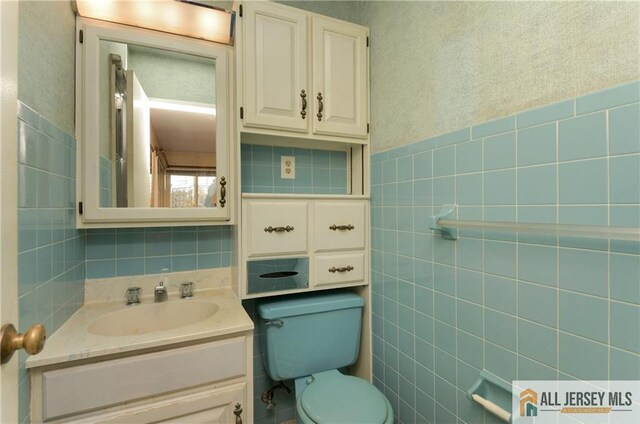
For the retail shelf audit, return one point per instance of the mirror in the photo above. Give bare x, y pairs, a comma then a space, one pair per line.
153, 125
157, 128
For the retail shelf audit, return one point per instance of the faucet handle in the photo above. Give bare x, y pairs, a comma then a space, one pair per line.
160, 287
133, 295
186, 290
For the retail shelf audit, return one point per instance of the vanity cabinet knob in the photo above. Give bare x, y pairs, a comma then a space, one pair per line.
271, 229
335, 227
347, 268
238, 413
32, 341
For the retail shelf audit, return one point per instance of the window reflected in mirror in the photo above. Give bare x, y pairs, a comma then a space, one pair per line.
157, 128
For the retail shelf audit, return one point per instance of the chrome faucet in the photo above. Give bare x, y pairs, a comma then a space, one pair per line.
186, 290
160, 293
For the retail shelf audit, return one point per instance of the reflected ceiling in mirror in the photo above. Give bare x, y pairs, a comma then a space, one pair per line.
157, 128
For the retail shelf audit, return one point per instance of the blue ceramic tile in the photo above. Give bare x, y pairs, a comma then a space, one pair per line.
126, 267
422, 165
445, 366
500, 329
584, 271
500, 294
405, 193
444, 161
501, 362
469, 157
584, 316
624, 130
545, 114
611, 97
624, 274
500, 258
625, 326
538, 303
537, 264
470, 318
389, 173
532, 370
590, 364
405, 168
469, 189
537, 145
624, 180
445, 308
446, 395
537, 185
538, 342
583, 137
445, 337
494, 127
157, 265
583, 182
624, 365
101, 268
470, 285
470, 350
443, 191
500, 187
454, 137
500, 151
469, 254
422, 192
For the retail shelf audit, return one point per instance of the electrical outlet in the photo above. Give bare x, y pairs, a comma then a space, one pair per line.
287, 167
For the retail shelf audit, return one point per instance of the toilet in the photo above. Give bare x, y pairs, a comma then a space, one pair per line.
309, 338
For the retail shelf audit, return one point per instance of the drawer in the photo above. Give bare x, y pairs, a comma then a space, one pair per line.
340, 226
86, 387
277, 228
338, 269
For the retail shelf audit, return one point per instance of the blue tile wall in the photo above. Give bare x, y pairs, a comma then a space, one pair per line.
317, 171
138, 251
522, 306
51, 269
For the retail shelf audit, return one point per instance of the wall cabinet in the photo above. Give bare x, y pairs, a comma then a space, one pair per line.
325, 241
303, 73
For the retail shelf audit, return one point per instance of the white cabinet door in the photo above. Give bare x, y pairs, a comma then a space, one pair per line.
275, 68
340, 80
211, 407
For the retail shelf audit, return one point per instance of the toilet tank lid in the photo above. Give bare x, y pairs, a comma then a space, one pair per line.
308, 304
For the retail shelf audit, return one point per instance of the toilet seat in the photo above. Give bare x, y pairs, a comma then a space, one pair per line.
332, 397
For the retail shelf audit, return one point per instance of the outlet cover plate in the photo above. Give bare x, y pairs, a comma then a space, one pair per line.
287, 167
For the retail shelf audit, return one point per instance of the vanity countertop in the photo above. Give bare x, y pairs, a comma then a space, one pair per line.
73, 341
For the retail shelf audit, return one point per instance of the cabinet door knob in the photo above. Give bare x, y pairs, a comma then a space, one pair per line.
271, 229
347, 227
223, 192
320, 106
347, 268
303, 112
32, 341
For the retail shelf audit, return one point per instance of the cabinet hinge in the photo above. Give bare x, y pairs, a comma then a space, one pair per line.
240, 11
80, 208
367, 41
367, 128
241, 113
81, 36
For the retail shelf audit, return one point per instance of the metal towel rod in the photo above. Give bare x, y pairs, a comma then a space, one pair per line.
446, 223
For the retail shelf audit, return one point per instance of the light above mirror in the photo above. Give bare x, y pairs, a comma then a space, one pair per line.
186, 18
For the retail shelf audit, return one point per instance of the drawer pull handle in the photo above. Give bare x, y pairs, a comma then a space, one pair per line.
320, 107
303, 112
271, 229
238, 413
275, 322
335, 227
341, 269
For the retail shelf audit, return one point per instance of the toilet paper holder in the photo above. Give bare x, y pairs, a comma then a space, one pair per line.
493, 394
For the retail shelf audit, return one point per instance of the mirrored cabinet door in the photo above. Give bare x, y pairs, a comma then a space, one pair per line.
153, 114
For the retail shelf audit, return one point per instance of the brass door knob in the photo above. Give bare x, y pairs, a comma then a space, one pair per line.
32, 341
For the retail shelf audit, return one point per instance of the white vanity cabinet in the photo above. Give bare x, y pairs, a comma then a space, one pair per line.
206, 382
329, 234
301, 72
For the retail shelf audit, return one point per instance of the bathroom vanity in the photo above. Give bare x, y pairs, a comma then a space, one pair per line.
190, 359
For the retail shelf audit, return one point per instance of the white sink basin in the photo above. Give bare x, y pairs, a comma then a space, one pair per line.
152, 317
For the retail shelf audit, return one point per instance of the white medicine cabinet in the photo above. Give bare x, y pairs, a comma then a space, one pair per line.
156, 146
302, 73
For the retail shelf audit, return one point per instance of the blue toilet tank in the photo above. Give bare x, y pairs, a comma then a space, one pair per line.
303, 335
